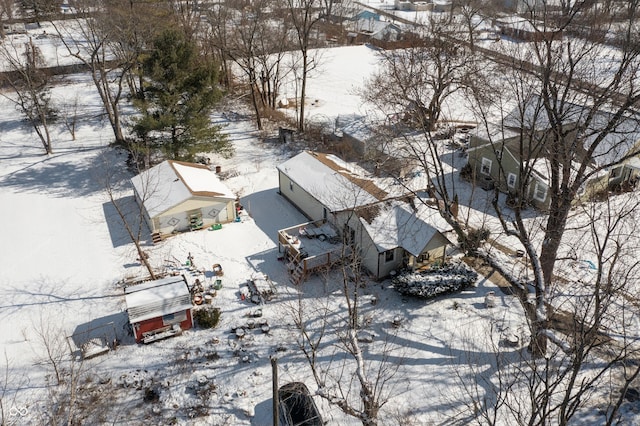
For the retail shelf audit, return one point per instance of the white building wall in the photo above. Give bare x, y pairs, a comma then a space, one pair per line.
311, 207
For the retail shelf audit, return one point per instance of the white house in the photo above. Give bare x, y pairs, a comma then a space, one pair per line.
322, 185
177, 196
387, 233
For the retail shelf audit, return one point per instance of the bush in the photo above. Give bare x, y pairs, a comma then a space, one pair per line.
207, 317
474, 240
466, 172
427, 284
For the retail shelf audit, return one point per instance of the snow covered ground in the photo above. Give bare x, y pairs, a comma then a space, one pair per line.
64, 253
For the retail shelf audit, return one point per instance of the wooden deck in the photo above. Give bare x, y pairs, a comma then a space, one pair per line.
309, 247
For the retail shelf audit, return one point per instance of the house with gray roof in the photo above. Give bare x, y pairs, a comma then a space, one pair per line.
387, 226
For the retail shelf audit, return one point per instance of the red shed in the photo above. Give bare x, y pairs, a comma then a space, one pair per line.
159, 309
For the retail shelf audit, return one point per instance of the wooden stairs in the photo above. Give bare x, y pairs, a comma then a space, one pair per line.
297, 274
156, 237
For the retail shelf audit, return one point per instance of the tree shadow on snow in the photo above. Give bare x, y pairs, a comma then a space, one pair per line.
63, 174
109, 330
473, 196
131, 211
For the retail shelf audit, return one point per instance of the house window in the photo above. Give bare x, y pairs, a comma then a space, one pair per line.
324, 213
511, 180
486, 166
540, 192
349, 235
389, 255
616, 173
175, 318
291, 186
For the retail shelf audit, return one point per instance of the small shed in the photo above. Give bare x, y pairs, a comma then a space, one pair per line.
159, 309
176, 196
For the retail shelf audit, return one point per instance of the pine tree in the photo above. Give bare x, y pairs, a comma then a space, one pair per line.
178, 95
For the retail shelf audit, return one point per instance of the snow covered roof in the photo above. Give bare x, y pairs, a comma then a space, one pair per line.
493, 133
361, 129
173, 182
400, 225
336, 184
622, 140
531, 114
523, 24
373, 26
157, 298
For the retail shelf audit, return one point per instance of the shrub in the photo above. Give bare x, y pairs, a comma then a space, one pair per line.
427, 284
207, 317
474, 240
466, 172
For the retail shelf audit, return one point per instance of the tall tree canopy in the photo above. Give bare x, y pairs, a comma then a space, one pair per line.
178, 95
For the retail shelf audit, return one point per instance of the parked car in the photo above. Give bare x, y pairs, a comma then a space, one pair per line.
297, 407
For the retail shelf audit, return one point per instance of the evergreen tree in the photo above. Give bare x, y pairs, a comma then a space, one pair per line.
178, 94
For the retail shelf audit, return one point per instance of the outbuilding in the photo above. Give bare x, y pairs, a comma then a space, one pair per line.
176, 196
159, 309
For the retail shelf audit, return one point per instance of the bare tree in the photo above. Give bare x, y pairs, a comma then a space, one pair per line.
133, 223
6, 14
414, 82
353, 379
410, 91
570, 120
39, 10
474, 15
359, 386
87, 40
596, 359
30, 85
69, 112
6, 400
565, 114
258, 47
578, 117
135, 25
304, 16
218, 39
52, 346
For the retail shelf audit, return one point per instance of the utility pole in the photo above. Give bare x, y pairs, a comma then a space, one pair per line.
274, 381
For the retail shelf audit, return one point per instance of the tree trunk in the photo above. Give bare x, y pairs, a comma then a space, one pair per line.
256, 107
303, 91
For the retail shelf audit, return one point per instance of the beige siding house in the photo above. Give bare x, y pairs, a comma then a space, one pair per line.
176, 196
